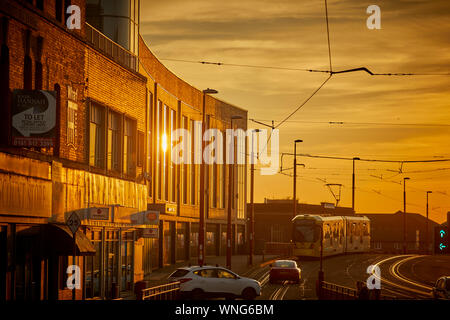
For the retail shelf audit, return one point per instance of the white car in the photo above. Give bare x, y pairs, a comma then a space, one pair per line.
208, 281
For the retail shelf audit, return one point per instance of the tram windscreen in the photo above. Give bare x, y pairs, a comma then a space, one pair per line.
304, 231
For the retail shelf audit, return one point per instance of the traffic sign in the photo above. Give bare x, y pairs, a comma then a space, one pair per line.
441, 240
73, 222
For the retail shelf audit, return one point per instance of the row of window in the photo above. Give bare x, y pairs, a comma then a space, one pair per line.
59, 7
113, 141
165, 175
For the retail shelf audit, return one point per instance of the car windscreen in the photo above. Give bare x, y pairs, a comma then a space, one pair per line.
179, 273
285, 264
305, 231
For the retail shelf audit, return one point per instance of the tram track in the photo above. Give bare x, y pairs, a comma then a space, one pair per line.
399, 284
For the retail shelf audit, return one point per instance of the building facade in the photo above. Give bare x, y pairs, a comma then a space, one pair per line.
88, 115
387, 233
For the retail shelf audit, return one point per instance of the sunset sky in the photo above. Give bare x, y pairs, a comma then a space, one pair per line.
394, 118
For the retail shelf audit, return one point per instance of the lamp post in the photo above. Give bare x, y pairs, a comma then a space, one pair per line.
426, 231
294, 196
230, 197
201, 229
404, 214
294, 213
353, 184
252, 204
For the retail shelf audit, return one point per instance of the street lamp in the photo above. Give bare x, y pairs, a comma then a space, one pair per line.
252, 204
353, 184
426, 231
404, 214
294, 213
201, 230
230, 198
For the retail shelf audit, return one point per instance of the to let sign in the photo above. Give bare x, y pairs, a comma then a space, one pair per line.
33, 118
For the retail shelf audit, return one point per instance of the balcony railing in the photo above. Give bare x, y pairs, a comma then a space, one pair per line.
116, 52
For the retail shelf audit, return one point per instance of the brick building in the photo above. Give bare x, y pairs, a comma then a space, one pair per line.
387, 232
103, 109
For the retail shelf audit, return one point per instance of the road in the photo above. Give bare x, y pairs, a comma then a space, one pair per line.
402, 276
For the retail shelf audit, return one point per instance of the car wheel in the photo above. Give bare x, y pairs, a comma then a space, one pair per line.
249, 294
197, 294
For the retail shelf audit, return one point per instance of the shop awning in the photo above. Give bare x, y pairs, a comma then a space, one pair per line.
59, 241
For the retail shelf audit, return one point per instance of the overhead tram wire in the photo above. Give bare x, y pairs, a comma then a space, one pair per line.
366, 123
303, 69
369, 160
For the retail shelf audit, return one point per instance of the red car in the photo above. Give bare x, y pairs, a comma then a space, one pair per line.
282, 270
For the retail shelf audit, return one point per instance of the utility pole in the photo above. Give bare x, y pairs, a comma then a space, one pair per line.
252, 204
404, 214
353, 184
230, 196
294, 197
201, 229
426, 231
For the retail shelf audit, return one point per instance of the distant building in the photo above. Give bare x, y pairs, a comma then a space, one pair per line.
387, 232
273, 218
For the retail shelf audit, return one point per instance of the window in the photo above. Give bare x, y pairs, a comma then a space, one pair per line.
72, 108
192, 165
40, 4
169, 156
27, 64
206, 273
97, 136
179, 273
158, 170
225, 274
184, 165
141, 149
58, 10
129, 147
93, 265
67, 3
114, 128
38, 66
150, 142
167, 162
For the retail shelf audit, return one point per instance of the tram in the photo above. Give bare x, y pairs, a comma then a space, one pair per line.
340, 234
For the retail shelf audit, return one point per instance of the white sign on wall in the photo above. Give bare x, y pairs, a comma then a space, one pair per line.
33, 118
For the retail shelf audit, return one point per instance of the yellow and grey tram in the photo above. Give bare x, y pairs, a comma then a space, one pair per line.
341, 234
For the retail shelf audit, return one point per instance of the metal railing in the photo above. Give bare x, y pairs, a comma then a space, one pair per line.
331, 291
116, 52
168, 291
